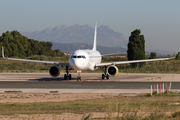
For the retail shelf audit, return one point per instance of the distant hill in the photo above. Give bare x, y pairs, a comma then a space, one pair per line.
76, 46
161, 52
80, 34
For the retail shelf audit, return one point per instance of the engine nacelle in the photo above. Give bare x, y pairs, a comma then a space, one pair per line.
112, 70
54, 71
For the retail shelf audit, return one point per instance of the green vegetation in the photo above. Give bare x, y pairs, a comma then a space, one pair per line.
168, 66
16, 45
171, 66
153, 55
178, 56
18, 66
113, 59
136, 47
140, 107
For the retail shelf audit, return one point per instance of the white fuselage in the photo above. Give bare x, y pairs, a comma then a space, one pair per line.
84, 59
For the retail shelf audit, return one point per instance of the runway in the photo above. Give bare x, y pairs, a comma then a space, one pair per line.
82, 85
91, 77
91, 82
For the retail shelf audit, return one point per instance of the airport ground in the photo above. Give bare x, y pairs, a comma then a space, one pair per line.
91, 77
22, 90
90, 83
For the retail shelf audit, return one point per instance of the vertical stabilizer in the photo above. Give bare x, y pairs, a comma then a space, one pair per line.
3, 52
95, 37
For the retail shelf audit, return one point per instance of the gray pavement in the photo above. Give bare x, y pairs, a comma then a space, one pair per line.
91, 83
81, 85
92, 77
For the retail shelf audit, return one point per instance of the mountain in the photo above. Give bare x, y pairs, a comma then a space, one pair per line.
79, 34
81, 37
76, 46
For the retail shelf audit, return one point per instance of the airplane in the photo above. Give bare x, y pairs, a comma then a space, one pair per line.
82, 60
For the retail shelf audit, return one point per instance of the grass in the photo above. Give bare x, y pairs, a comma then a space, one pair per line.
171, 66
139, 107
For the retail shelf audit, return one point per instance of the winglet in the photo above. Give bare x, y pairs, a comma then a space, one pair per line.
3, 52
95, 36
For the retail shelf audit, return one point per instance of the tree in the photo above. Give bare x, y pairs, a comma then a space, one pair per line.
136, 47
14, 50
153, 55
177, 56
29, 53
59, 53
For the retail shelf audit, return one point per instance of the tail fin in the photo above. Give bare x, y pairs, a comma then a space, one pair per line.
3, 52
95, 37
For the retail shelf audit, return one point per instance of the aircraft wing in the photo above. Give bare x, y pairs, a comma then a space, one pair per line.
131, 61
37, 61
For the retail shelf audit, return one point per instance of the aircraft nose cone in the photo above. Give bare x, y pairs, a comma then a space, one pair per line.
77, 64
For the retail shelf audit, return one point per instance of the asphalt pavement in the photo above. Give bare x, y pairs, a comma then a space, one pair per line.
91, 82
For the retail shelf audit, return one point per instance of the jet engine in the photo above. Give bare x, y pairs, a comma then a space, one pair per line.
112, 70
54, 71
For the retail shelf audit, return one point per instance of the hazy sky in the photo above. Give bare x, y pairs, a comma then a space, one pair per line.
159, 20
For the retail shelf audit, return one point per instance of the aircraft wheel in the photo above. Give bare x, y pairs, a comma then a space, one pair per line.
70, 76
79, 78
107, 76
103, 76
65, 77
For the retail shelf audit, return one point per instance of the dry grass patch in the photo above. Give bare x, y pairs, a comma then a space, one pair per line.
105, 105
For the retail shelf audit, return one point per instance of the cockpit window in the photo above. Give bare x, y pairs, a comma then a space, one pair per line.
79, 56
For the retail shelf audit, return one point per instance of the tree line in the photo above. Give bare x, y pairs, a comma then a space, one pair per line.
17, 45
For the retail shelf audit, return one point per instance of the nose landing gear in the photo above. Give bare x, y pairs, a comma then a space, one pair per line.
79, 76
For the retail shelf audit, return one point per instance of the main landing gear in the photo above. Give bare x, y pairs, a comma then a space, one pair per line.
79, 76
67, 75
105, 75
